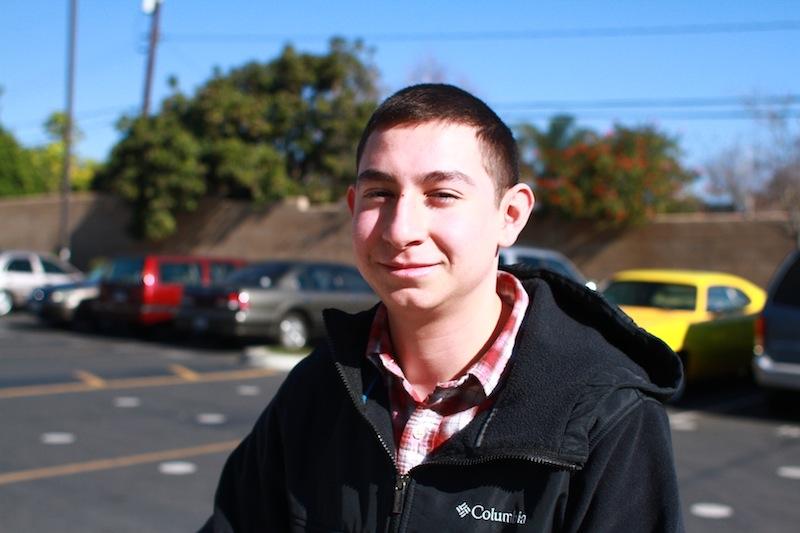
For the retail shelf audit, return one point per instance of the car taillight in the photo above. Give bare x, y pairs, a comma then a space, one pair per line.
239, 301
758, 335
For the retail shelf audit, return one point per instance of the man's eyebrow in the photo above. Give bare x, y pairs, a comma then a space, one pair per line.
447, 175
374, 175
431, 177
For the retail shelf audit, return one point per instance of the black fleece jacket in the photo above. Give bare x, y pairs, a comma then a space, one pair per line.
576, 440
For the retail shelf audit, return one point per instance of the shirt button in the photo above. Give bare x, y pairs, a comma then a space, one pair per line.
418, 432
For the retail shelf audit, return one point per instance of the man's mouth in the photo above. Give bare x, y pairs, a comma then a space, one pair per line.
410, 269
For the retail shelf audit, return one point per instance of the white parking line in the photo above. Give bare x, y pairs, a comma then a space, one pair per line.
177, 468
57, 438
211, 419
789, 472
714, 511
790, 432
127, 402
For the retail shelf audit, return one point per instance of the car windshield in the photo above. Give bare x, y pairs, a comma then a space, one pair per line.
263, 275
126, 270
652, 294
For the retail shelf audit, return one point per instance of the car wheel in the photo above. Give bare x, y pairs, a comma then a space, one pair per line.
6, 303
293, 331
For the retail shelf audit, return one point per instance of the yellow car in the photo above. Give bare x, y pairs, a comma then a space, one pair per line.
706, 317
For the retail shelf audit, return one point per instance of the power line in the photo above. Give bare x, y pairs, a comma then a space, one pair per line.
654, 117
508, 35
679, 102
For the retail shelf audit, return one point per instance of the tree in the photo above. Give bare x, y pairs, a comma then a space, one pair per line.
17, 173
155, 167
263, 131
38, 170
620, 178
735, 172
764, 173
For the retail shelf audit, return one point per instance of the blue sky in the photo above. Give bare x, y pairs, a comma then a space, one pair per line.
520, 68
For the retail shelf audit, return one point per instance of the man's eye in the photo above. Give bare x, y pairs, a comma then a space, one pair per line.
443, 196
377, 193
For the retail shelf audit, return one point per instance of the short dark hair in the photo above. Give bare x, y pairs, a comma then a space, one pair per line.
438, 102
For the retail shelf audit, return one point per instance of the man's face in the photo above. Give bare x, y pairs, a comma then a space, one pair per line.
426, 223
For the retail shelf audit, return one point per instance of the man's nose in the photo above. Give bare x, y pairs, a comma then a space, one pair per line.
405, 222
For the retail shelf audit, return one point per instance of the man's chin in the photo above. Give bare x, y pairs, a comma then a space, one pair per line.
410, 300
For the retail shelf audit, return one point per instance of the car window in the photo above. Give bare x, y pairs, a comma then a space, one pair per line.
261, 275
652, 294
316, 278
220, 271
723, 299
186, 273
349, 280
126, 270
788, 290
52, 268
19, 265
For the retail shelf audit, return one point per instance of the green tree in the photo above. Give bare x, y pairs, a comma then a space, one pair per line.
17, 173
263, 131
302, 113
620, 178
39, 169
156, 167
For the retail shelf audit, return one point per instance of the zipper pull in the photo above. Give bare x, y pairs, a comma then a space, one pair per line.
400, 494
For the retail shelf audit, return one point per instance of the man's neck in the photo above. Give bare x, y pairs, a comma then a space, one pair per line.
439, 345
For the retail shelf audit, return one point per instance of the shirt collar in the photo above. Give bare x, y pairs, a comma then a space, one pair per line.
487, 370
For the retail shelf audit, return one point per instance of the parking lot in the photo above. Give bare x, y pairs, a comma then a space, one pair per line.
119, 433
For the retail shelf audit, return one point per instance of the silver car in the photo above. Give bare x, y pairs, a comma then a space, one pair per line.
22, 271
776, 365
63, 303
278, 299
544, 258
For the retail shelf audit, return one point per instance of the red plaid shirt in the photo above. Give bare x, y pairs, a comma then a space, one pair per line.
422, 424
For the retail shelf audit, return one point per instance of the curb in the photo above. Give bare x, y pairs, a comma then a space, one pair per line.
264, 357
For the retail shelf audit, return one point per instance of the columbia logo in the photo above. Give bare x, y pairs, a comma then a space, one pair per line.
479, 512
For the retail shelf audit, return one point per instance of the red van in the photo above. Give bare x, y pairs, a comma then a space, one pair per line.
148, 289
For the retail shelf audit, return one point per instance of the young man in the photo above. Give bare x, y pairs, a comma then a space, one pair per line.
471, 398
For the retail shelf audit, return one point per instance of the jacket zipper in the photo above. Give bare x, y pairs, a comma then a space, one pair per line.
539, 459
400, 494
401, 484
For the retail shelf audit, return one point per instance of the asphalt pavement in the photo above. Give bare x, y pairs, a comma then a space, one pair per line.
128, 434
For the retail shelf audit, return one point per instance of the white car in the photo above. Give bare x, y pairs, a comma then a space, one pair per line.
22, 271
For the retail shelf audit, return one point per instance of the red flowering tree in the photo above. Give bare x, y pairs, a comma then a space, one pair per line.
622, 178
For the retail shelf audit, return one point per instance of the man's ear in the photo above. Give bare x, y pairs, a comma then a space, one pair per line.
516, 207
351, 199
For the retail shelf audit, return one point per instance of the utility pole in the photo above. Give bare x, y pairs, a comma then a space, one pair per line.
63, 239
152, 7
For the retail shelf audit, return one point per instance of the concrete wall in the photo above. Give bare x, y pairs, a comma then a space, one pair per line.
751, 247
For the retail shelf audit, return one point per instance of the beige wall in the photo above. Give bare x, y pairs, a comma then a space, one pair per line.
751, 247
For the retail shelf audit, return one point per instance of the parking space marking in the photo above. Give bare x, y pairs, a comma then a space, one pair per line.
92, 380
714, 511
117, 462
185, 373
133, 383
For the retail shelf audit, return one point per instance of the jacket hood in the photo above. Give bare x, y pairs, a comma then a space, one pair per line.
573, 351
